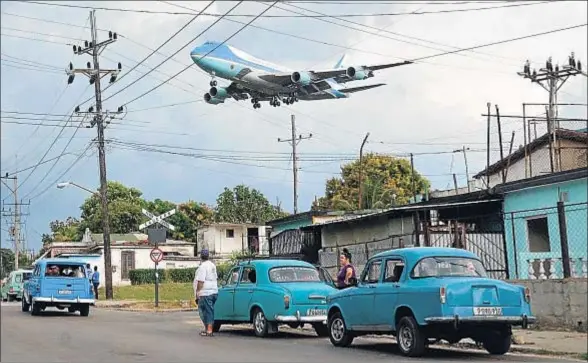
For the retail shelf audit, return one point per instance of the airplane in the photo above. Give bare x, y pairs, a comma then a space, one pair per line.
261, 81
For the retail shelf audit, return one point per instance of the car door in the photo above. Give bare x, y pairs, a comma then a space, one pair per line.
244, 292
362, 312
386, 300
34, 283
225, 304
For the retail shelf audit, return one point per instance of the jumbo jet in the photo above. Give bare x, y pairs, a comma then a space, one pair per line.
259, 80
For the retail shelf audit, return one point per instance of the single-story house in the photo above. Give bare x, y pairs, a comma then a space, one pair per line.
224, 239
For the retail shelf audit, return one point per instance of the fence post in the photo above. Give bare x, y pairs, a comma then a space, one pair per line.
417, 229
563, 239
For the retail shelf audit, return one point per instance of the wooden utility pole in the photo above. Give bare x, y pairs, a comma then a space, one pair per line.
500, 142
14, 211
294, 141
361, 170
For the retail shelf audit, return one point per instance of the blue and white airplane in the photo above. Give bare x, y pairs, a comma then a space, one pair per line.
260, 80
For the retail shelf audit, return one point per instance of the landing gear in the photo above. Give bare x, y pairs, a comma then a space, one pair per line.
255, 103
213, 83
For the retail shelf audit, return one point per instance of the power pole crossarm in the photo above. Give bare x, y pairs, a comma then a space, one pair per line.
294, 141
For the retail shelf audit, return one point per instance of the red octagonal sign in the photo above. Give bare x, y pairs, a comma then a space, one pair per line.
156, 255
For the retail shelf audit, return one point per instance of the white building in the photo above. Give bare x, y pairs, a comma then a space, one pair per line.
223, 239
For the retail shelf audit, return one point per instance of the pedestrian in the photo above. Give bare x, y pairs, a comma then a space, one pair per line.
206, 292
347, 270
89, 272
96, 281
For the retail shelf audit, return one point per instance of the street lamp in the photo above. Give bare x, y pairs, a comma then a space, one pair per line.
68, 183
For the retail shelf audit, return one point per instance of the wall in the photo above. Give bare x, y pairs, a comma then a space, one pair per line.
534, 199
558, 303
215, 238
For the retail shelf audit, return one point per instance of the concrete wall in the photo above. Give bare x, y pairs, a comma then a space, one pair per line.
558, 303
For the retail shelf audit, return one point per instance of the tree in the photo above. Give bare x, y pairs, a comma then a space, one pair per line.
188, 217
7, 265
245, 205
124, 210
386, 182
65, 231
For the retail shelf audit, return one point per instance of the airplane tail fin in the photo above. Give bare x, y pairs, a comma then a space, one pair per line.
340, 63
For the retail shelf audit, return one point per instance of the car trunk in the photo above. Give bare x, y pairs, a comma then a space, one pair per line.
308, 293
64, 288
483, 293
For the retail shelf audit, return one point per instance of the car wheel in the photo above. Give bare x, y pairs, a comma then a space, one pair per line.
260, 323
71, 309
411, 340
24, 306
85, 310
338, 333
498, 343
321, 330
35, 309
216, 326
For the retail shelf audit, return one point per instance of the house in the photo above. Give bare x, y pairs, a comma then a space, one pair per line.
223, 239
546, 154
128, 252
532, 224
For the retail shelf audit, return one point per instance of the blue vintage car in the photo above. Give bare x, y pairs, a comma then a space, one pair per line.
60, 283
423, 295
271, 292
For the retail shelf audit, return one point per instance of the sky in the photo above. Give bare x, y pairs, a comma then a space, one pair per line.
429, 108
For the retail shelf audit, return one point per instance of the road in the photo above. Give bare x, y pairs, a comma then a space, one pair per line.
119, 336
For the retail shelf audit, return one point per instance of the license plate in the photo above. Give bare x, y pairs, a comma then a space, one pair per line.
316, 312
487, 311
64, 292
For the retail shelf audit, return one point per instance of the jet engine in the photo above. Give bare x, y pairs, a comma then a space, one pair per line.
301, 78
212, 100
357, 74
219, 93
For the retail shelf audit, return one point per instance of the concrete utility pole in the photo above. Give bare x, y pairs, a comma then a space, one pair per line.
294, 141
361, 170
15, 230
552, 78
96, 74
465, 159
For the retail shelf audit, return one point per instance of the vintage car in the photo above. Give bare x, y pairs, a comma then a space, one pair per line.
60, 283
270, 292
12, 288
426, 294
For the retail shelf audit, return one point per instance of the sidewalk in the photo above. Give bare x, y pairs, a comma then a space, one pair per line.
144, 306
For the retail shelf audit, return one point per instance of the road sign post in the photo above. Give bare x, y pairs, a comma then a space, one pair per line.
156, 236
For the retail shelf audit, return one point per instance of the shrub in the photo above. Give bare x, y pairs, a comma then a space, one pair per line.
181, 274
146, 276
177, 275
222, 269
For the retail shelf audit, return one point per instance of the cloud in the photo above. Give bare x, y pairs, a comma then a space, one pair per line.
433, 106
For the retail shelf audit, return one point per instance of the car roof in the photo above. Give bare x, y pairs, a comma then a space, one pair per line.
416, 253
270, 263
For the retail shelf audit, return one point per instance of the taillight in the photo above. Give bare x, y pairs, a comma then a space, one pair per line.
527, 295
286, 302
442, 295
11, 289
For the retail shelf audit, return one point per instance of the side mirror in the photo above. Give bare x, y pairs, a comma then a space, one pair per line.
352, 281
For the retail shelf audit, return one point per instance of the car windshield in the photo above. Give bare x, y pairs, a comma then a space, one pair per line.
294, 274
449, 267
65, 270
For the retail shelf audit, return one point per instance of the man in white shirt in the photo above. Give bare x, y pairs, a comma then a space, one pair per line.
206, 292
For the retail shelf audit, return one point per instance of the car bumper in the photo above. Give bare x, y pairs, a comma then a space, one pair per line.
514, 320
63, 301
297, 318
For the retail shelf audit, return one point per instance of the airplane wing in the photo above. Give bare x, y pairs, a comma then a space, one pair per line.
361, 88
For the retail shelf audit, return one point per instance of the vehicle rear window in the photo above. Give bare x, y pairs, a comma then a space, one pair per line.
294, 274
17, 278
448, 267
65, 270
26, 276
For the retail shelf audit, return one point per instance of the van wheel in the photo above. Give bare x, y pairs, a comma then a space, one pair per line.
85, 310
24, 306
338, 333
71, 309
260, 323
35, 309
498, 343
410, 338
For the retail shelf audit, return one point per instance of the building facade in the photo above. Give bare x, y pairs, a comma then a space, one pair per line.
224, 239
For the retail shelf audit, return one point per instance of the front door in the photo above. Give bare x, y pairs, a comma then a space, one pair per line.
386, 300
244, 293
224, 307
362, 313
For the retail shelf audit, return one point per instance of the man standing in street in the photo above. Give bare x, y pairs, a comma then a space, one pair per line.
96, 281
206, 292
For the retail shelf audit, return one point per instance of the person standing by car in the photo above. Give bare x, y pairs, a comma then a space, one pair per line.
347, 270
206, 292
96, 281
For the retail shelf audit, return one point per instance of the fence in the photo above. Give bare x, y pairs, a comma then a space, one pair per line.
295, 242
548, 243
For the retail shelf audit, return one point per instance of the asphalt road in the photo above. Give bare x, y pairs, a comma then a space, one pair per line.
117, 336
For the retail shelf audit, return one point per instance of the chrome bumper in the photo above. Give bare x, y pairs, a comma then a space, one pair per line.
483, 319
63, 301
301, 319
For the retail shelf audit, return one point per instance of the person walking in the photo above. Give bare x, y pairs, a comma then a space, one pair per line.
89, 272
96, 281
206, 292
347, 270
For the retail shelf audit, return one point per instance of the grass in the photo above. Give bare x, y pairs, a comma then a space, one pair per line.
168, 292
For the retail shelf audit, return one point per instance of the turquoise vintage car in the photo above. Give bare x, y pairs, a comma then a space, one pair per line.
12, 289
425, 294
271, 292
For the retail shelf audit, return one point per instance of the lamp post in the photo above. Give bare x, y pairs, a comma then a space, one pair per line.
68, 183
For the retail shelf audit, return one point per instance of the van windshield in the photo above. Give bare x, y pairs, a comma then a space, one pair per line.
65, 270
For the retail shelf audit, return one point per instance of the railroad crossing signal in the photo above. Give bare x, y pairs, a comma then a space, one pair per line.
158, 219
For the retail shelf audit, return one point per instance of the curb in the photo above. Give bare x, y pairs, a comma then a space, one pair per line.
138, 310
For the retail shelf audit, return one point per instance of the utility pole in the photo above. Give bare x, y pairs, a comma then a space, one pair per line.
15, 230
465, 159
361, 170
294, 141
95, 48
552, 78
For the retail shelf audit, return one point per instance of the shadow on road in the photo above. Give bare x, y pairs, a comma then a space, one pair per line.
54, 314
237, 332
448, 354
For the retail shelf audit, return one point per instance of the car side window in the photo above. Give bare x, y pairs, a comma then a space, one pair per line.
248, 276
233, 277
394, 269
372, 272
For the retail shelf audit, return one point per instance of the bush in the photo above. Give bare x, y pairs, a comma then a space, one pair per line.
181, 274
222, 269
177, 275
146, 276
